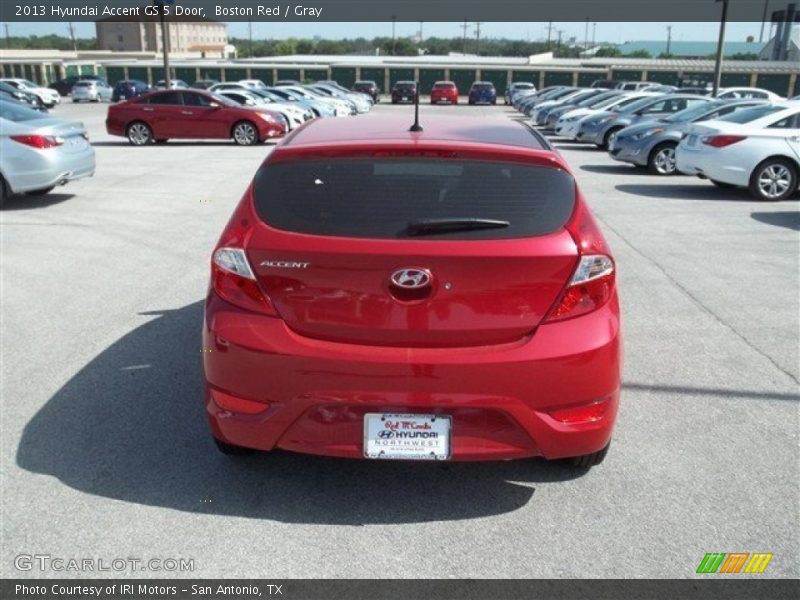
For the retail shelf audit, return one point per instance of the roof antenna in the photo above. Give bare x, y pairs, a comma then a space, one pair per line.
416, 126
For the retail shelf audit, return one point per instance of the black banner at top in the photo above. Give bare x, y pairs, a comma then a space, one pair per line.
388, 10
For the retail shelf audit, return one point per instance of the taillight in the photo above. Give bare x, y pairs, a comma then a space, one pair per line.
233, 280
592, 283
589, 289
720, 141
39, 141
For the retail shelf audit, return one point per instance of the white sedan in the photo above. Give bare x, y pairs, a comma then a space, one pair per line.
738, 93
48, 96
757, 148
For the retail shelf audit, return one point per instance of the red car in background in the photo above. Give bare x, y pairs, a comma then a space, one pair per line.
442, 294
444, 92
191, 114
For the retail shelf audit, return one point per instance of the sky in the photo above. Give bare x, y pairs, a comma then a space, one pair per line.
610, 32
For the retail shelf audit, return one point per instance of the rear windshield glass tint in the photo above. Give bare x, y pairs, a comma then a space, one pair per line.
751, 114
378, 198
483, 86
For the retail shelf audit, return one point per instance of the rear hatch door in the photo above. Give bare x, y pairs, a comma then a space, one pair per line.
412, 251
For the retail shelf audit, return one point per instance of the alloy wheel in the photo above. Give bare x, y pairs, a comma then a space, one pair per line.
244, 134
774, 181
664, 161
139, 134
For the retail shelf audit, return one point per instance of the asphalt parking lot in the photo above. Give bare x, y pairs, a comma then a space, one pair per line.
106, 453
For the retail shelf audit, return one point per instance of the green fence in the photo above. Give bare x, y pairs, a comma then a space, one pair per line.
778, 83
312, 75
557, 78
463, 78
235, 74
736, 80
115, 74
138, 73
264, 75
396, 75
664, 77
345, 76
212, 73
586, 79
498, 78
374, 74
289, 74
427, 77
187, 74
623, 75
525, 77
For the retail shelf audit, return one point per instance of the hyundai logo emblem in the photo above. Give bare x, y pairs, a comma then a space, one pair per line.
385, 434
411, 279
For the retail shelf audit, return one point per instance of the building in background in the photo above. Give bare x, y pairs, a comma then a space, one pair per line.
784, 46
207, 37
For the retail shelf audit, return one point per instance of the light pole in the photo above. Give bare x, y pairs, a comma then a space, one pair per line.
586, 35
720, 49
161, 4
394, 22
669, 39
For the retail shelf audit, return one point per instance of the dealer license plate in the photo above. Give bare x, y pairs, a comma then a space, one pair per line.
409, 437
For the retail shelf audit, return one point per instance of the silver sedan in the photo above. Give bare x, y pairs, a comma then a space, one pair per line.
38, 152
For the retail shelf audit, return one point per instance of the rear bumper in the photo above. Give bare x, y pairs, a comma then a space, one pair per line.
712, 164
37, 170
315, 393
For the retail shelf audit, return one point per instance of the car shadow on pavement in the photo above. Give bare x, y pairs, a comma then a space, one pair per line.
26, 202
616, 170
686, 191
788, 219
130, 425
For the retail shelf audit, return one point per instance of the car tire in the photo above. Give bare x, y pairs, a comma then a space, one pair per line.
774, 179
41, 192
75, 100
722, 185
4, 191
139, 133
662, 159
231, 449
607, 137
590, 460
244, 133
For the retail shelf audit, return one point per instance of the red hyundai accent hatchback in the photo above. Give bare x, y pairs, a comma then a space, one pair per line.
191, 114
444, 92
443, 294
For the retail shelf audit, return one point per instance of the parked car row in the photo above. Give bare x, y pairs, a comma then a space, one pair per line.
48, 97
743, 137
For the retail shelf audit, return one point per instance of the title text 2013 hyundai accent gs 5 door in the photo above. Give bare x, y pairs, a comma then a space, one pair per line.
443, 295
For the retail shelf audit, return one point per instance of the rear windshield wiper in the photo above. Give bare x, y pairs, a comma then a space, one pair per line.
423, 226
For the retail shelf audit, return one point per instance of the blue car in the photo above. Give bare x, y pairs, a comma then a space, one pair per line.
482, 92
128, 88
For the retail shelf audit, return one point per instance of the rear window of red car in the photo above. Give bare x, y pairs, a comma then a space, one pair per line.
444, 86
380, 197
